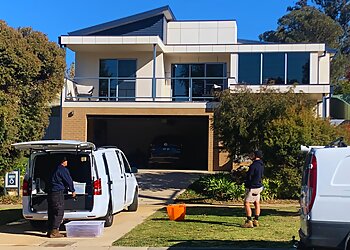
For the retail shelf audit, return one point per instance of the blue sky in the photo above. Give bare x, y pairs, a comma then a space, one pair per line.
55, 18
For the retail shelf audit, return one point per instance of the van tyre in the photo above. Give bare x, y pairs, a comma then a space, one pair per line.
109, 217
135, 202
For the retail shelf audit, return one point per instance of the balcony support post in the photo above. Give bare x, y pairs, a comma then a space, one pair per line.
154, 85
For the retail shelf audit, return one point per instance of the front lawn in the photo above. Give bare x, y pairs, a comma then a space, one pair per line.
216, 226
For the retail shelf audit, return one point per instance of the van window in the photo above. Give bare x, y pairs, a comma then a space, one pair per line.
126, 164
305, 176
120, 162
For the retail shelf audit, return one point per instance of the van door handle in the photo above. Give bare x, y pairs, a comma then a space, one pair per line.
122, 177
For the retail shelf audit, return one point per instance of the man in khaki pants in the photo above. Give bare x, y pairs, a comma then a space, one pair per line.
253, 187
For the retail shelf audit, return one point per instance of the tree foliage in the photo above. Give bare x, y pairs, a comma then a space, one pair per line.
307, 25
277, 123
31, 75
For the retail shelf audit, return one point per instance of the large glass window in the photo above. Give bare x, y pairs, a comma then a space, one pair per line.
273, 68
298, 68
202, 77
249, 68
118, 79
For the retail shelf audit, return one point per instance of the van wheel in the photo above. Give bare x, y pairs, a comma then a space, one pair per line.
135, 202
109, 217
38, 224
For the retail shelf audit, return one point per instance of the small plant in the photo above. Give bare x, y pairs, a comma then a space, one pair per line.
271, 188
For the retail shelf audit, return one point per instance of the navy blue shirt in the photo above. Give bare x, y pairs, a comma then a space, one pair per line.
255, 174
61, 180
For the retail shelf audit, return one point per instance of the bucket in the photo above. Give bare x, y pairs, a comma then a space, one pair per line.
176, 212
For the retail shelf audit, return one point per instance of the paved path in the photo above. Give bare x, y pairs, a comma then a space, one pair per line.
157, 188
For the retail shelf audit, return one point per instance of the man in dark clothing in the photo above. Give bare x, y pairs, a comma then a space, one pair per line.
253, 187
60, 182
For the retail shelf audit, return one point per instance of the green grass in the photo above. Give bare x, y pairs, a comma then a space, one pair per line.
215, 226
8, 214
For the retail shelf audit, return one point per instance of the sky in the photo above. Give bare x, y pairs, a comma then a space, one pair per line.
55, 18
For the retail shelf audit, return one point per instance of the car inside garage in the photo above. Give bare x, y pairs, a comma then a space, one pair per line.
166, 142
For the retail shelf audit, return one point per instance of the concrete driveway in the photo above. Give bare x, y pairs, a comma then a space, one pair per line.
157, 188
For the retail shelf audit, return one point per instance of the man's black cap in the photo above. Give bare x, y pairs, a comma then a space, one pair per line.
64, 159
258, 154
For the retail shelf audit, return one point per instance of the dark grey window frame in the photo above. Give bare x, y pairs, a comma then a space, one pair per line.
285, 66
117, 89
224, 71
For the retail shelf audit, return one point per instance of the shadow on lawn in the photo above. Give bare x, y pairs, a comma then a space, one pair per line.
231, 244
235, 211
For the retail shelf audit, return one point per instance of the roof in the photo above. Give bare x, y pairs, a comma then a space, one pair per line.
165, 10
246, 41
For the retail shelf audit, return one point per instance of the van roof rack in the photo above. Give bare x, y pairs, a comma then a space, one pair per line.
339, 142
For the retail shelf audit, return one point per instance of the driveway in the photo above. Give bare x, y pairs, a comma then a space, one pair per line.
157, 188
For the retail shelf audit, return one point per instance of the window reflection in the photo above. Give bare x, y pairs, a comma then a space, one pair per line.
298, 68
123, 83
183, 75
249, 68
273, 68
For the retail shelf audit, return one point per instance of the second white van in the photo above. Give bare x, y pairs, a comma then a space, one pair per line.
325, 198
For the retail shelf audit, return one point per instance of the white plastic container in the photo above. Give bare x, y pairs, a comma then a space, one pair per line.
85, 228
79, 187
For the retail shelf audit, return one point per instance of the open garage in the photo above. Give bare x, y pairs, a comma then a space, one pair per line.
138, 136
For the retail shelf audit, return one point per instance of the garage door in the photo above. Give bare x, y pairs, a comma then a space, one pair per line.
167, 142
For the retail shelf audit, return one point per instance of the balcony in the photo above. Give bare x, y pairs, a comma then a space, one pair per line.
143, 89
172, 89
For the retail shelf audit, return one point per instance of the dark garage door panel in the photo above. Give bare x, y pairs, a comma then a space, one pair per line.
134, 135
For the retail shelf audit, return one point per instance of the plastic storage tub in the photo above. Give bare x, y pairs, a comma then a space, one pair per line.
85, 228
176, 212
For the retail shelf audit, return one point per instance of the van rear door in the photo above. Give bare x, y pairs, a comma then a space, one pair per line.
117, 179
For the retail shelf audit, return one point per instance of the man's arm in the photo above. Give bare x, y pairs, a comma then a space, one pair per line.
67, 179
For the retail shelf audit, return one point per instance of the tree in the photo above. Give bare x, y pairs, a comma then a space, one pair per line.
278, 123
305, 25
31, 75
241, 118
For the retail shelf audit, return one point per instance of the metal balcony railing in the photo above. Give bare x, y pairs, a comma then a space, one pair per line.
130, 89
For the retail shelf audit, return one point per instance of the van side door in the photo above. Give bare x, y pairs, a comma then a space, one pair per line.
117, 179
130, 179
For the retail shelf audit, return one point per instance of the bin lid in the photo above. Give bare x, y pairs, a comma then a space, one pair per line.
54, 145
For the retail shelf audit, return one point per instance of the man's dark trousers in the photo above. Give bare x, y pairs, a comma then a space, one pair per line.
55, 209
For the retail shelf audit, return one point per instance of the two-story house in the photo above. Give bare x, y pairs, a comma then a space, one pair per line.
150, 76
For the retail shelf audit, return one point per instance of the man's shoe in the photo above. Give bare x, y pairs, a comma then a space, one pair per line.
255, 223
248, 224
55, 234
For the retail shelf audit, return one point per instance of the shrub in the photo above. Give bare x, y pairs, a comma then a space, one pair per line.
222, 187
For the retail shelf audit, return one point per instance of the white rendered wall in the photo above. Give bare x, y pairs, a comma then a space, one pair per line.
324, 69
202, 32
313, 68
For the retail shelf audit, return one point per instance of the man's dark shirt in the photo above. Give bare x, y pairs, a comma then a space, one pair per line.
61, 180
255, 174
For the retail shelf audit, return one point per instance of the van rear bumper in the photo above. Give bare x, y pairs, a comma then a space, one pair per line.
77, 215
326, 234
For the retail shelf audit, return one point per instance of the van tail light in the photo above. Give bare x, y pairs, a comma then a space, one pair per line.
97, 187
25, 188
312, 181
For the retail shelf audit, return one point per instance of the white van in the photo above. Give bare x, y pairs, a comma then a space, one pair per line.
325, 198
104, 182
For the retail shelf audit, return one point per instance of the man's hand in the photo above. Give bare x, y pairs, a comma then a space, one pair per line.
74, 195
